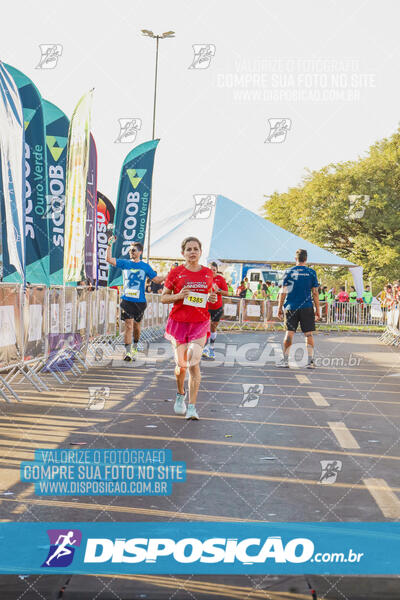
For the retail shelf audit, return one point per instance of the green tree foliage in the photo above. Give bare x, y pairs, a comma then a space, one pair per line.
350, 208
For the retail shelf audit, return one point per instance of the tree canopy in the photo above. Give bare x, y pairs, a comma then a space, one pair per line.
350, 208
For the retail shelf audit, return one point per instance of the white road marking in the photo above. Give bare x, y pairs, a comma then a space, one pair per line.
387, 500
318, 399
343, 435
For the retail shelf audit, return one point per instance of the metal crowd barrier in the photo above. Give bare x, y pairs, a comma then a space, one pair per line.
153, 323
253, 314
345, 313
231, 316
249, 313
61, 331
391, 335
155, 318
246, 313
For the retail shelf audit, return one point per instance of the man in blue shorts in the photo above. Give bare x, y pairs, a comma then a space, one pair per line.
133, 299
299, 290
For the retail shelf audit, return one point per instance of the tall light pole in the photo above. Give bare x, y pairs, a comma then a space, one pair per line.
166, 34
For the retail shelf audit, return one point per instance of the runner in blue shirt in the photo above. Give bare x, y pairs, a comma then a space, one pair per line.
300, 289
133, 299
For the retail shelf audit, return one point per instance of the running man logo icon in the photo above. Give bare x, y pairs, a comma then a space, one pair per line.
203, 54
128, 129
62, 547
251, 394
50, 53
97, 397
358, 204
330, 470
54, 206
278, 129
203, 205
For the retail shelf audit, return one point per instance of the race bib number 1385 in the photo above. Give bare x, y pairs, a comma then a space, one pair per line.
196, 299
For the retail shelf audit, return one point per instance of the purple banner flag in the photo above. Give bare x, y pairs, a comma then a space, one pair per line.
91, 215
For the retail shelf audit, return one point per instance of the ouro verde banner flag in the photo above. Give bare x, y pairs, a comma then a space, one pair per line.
12, 179
57, 125
36, 231
75, 196
134, 194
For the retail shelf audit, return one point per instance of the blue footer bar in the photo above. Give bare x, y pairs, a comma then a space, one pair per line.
200, 548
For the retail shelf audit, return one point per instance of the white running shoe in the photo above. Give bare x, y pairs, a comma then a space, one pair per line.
311, 364
205, 353
283, 363
191, 413
180, 406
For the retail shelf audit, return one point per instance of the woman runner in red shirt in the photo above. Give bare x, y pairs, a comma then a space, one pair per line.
188, 286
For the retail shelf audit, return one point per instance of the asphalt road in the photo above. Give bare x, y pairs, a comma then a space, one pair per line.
255, 454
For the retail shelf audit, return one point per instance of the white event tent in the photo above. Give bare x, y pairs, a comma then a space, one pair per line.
231, 233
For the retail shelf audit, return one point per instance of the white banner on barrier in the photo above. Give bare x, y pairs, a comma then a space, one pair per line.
253, 310
35, 322
68, 317
7, 326
102, 312
93, 312
82, 315
376, 310
275, 311
54, 318
112, 310
230, 310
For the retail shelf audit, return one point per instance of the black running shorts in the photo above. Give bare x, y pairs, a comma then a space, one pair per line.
216, 314
304, 316
132, 310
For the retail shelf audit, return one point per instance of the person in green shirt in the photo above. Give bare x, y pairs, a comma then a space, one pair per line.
259, 294
353, 295
367, 295
249, 293
322, 293
273, 292
330, 296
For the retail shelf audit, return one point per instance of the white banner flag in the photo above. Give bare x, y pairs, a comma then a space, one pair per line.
12, 173
75, 194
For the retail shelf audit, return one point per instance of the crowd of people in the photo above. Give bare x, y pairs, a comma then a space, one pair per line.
265, 291
270, 290
390, 295
342, 295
